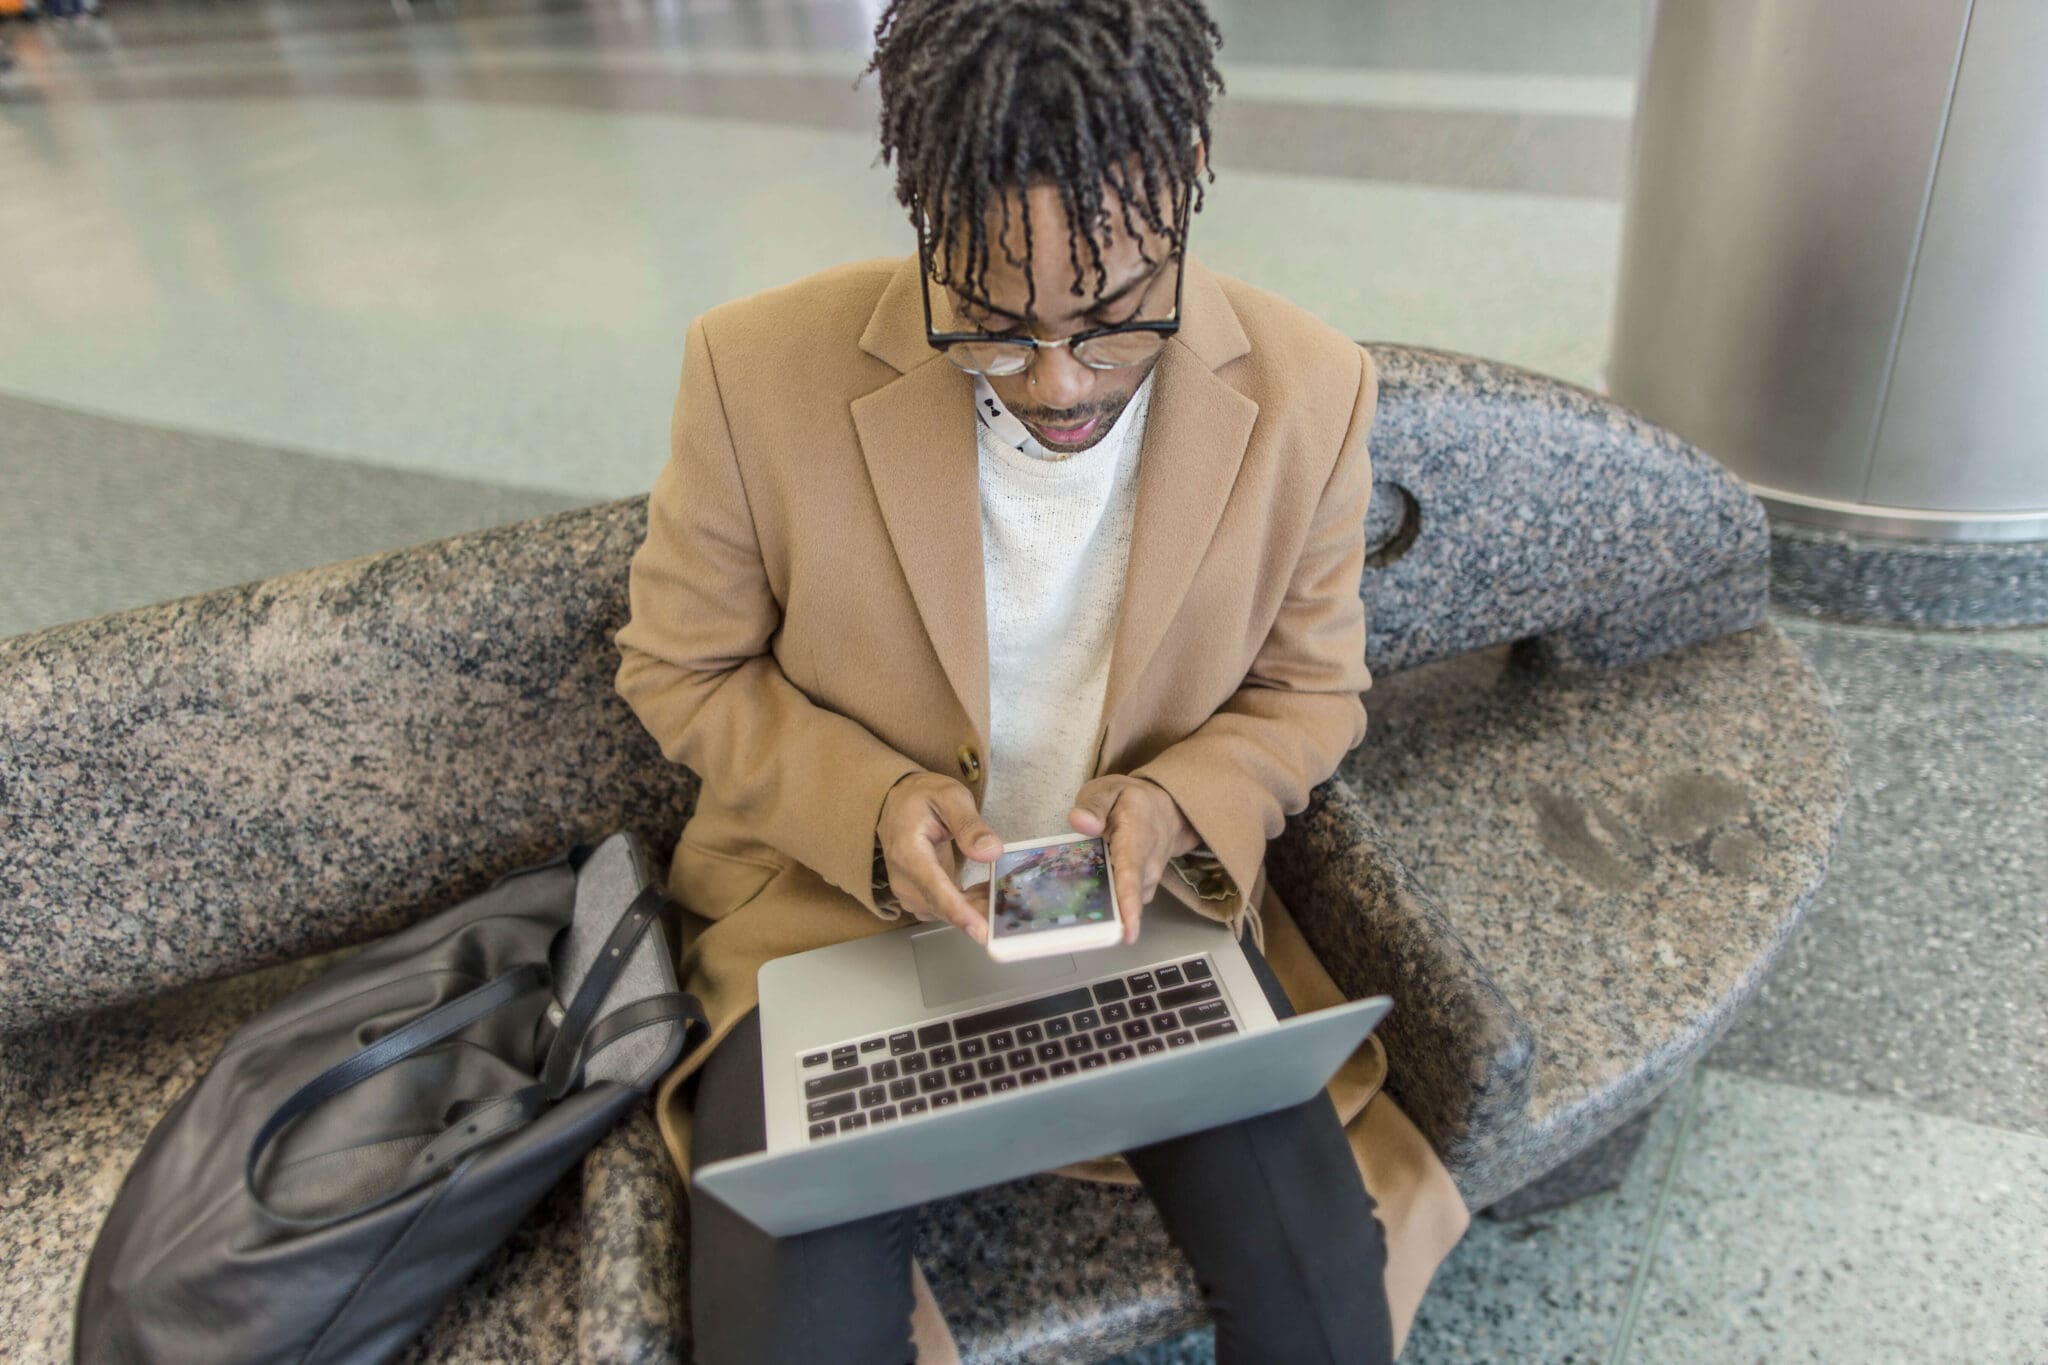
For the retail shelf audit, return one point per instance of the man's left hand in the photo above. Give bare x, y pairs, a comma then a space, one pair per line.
1143, 826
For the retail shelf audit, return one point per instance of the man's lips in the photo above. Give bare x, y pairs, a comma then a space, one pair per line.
1068, 435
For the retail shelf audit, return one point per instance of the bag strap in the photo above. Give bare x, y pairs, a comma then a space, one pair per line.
496, 1118
574, 856
422, 1033
560, 1070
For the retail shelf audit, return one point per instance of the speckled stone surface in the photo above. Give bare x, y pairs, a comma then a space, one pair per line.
1909, 582
1602, 1166
634, 1250
247, 776
1608, 859
1627, 853
1541, 508
1460, 1059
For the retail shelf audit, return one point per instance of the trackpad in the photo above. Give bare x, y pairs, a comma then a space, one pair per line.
952, 966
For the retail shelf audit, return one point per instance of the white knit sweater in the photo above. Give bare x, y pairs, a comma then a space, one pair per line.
1055, 538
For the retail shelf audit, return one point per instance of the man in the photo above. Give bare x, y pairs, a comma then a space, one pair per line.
1043, 528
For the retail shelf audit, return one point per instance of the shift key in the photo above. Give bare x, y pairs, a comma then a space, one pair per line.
1189, 994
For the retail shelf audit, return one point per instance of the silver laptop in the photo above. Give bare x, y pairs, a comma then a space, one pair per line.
908, 1066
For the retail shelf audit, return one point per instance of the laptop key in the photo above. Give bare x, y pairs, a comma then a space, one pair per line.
1019, 1059
1087, 1019
945, 1055
960, 1073
832, 1108
1091, 1060
972, 1048
900, 1043
1145, 1004
1108, 991
1002, 1083
873, 1096
1181, 1039
1137, 1029
1033, 1076
903, 1089
1216, 1030
1168, 976
853, 1121
1050, 1052
1031, 1033
1141, 983
873, 1044
916, 1106
914, 1063
1197, 969
825, 1129
814, 1059
1079, 1044
1024, 1012
1203, 1013
840, 1063
882, 1115
990, 1066
1058, 1028
973, 1092
1115, 1014
843, 1050
1002, 1042
931, 1035
1108, 1037
1188, 995
931, 1080
1122, 1054
1165, 1022
1150, 1046
944, 1098
884, 1070
817, 1087
1064, 1068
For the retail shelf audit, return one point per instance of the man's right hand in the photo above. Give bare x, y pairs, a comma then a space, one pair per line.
924, 817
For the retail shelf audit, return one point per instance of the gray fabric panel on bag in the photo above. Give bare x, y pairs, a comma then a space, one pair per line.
610, 878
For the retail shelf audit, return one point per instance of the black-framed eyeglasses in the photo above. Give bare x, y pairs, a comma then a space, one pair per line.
1105, 348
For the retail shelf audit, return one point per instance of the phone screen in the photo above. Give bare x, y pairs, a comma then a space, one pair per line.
1055, 887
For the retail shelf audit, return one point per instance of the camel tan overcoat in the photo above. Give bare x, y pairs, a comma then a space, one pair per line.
808, 625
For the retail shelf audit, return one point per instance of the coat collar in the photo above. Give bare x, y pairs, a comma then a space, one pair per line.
917, 435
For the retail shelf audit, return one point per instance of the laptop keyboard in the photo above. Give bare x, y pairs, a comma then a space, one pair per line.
967, 1057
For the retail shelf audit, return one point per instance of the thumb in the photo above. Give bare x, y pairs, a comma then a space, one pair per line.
972, 833
1090, 814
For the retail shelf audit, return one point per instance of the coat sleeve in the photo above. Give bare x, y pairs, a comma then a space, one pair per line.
1242, 772
695, 664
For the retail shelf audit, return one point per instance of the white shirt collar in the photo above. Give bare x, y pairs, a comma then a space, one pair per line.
1009, 430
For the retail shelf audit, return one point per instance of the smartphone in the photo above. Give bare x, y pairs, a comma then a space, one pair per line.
1052, 896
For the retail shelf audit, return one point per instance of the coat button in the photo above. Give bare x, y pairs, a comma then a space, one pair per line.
970, 763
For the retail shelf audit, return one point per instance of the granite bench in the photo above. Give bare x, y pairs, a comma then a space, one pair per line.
1599, 792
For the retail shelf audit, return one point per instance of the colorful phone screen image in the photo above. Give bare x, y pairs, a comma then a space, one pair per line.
1056, 887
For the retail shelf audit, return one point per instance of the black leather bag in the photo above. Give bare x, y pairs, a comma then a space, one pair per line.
357, 1150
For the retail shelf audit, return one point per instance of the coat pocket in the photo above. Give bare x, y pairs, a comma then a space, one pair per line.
714, 883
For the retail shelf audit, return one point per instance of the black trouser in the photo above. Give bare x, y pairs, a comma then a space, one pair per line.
1271, 1213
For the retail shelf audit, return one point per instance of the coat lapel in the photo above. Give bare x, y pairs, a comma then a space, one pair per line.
917, 436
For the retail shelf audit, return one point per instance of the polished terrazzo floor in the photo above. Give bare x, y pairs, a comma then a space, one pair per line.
286, 283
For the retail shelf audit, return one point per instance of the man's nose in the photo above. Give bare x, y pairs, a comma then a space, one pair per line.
1058, 380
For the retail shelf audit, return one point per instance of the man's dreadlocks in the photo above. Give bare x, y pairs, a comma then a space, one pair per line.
981, 97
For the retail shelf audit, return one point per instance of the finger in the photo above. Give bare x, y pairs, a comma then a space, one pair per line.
1127, 871
976, 838
948, 902
1092, 805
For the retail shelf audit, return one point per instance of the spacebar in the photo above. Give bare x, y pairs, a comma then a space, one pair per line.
1023, 1012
